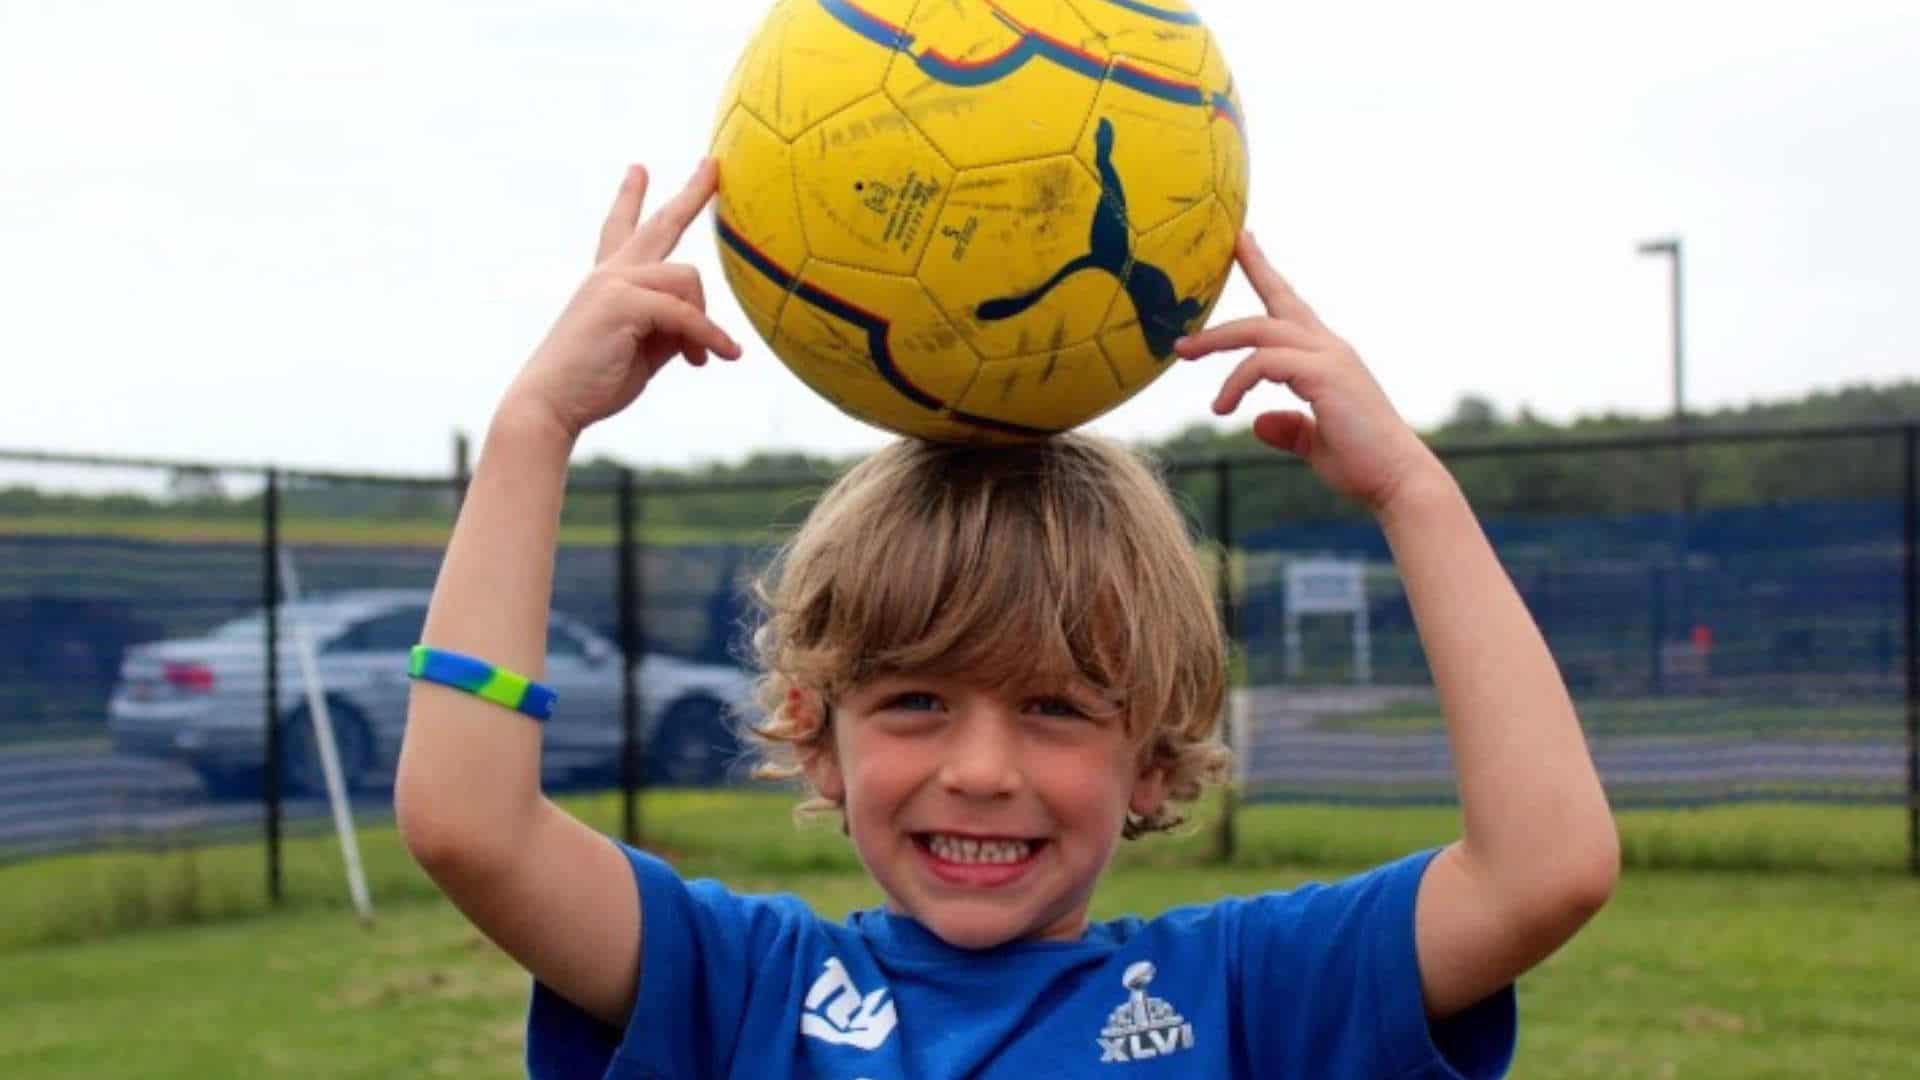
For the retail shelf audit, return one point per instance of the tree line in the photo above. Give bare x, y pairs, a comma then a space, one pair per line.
721, 498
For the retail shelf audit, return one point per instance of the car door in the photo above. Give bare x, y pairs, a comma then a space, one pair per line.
366, 666
584, 671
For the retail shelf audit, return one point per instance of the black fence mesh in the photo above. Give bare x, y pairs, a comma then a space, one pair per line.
1733, 615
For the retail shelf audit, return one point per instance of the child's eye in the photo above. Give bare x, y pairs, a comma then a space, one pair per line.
1057, 707
913, 701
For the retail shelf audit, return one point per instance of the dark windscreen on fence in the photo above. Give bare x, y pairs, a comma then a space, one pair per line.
1718, 649
1724, 641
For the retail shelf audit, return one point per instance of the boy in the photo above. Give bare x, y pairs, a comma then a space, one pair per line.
993, 664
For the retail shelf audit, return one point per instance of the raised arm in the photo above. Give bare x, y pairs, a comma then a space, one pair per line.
553, 893
1539, 853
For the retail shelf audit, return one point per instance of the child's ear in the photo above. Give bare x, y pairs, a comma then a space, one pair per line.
819, 760
1149, 791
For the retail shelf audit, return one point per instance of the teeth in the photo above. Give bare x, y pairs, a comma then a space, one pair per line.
964, 850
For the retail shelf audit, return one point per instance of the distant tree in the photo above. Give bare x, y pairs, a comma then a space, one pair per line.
195, 484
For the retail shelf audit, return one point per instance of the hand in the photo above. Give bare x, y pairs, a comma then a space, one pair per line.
1354, 439
633, 313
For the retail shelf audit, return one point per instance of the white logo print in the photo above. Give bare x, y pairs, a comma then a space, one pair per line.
1145, 1027
837, 1013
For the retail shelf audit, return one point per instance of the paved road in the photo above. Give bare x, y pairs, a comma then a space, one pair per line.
82, 796
78, 796
1280, 754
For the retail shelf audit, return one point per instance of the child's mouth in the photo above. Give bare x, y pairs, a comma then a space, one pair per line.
982, 863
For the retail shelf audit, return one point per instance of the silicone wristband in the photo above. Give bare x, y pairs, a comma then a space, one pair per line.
482, 680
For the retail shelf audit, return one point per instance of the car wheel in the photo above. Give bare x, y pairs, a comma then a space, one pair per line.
300, 767
694, 745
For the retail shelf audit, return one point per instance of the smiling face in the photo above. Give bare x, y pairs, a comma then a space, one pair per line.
985, 813
993, 663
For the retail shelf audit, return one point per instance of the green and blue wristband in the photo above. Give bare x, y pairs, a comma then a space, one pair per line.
482, 680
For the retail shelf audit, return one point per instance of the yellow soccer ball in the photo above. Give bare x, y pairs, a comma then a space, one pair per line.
979, 220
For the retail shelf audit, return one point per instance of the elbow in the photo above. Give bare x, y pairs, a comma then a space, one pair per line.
1581, 882
447, 845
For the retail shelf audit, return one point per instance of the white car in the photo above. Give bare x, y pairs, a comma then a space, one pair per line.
203, 700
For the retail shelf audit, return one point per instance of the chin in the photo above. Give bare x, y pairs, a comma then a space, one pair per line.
974, 934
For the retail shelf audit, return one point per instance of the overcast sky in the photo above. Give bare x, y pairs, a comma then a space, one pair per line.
327, 234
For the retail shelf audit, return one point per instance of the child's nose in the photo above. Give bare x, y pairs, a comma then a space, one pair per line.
983, 760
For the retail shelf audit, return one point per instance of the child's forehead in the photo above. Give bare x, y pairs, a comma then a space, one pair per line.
1026, 680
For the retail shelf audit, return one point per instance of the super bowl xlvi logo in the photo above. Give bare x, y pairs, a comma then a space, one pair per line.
1144, 1027
836, 1011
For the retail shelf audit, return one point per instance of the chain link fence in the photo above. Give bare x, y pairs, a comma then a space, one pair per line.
1730, 635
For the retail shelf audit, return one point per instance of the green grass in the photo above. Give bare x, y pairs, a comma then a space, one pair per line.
170, 963
189, 880
1684, 975
1824, 721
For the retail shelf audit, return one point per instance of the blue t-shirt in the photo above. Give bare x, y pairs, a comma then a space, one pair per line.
1317, 982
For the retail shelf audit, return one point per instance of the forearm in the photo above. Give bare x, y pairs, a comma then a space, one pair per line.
1536, 818
469, 770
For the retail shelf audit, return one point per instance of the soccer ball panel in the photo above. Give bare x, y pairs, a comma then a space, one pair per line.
1230, 157
977, 70
1053, 391
812, 58
1178, 275
877, 346
754, 217
870, 187
1023, 258
1150, 143
1166, 32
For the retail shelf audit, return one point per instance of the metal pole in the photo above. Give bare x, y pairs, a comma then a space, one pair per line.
626, 504
1670, 247
1679, 340
1911, 497
1227, 841
462, 468
270, 769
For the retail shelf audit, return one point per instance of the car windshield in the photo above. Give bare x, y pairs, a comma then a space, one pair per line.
319, 617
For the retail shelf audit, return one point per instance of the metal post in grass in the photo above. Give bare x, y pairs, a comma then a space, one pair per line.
1226, 841
1911, 454
270, 768
631, 650
462, 469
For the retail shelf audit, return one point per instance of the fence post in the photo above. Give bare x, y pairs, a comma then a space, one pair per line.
462, 469
1911, 454
1226, 843
631, 651
270, 768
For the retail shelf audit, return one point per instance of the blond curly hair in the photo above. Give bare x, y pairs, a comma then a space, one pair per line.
1064, 559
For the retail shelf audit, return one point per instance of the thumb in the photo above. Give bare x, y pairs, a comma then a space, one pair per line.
1291, 431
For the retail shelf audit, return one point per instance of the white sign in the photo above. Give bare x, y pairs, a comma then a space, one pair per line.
1326, 587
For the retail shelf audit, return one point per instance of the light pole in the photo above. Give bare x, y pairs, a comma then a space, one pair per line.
1683, 539
1670, 247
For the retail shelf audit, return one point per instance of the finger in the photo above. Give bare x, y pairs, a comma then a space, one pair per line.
625, 214
661, 314
658, 236
1267, 365
1289, 430
1254, 332
674, 279
1282, 302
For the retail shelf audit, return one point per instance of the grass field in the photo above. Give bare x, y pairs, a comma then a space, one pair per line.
1696, 973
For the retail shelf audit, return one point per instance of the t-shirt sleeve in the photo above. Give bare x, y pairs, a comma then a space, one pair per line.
1329, 985
704, 954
